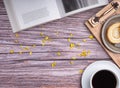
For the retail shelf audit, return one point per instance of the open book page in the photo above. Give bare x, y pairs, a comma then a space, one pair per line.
69, 7
33, 12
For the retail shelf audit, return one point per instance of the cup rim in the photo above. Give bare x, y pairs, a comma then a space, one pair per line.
117, 84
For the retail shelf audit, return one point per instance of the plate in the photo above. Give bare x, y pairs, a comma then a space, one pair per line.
97, 66
112, 47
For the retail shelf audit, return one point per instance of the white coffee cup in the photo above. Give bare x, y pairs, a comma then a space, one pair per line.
107, 70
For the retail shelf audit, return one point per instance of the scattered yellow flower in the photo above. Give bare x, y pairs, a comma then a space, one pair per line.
43, 41
53, 64
30, 52
72, 45
88, 52
16, 35
71, 34
11, 51
83, 53
71, 62
58, 53
91, 37
80, 71
84, 40
68, 39
46, 38
73, 58
41, 34
43, 44
26, 48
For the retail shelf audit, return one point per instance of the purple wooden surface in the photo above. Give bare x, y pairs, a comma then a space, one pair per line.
35, 71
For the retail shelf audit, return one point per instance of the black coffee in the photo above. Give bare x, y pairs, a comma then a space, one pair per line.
104, 79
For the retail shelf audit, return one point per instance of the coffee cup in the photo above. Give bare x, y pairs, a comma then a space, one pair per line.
104, 79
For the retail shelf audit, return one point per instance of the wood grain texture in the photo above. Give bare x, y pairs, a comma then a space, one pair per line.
35, 71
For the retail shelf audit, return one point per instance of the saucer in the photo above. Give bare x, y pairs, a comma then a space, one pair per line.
97, 66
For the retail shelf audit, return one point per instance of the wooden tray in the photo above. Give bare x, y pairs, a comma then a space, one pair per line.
96, 30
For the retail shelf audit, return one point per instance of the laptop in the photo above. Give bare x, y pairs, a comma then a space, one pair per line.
24, 14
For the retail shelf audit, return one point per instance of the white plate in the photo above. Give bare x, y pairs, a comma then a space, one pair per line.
97, 66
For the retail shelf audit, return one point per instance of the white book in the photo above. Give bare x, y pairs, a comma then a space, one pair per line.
24, 14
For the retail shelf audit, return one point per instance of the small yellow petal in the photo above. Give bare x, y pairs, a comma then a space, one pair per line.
71, 62
43, 44
73, 58
71, 34
43, 41
16, 35
11, 51
58, 53
46, 38
88, 52
84, 40
30, 52
68, 39
72, 45
26, 48
80, 71
41, 34
91, 37
53, 64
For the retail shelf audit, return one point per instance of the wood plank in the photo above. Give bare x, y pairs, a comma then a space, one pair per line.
35, 71
40, 74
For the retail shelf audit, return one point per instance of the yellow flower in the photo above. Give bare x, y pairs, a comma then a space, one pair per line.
72, 45
58, 53
84, 40
83, 53
41, 34
91, 37
11, 51
43, 44
68, 39
73, 58
71, 34
26, 48
88, 52
80, 71
30, 52
53, 64
16, 35
46, 38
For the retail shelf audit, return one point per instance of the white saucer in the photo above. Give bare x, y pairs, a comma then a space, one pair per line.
96, 66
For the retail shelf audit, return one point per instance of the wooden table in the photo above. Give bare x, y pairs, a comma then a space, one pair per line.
41, 57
